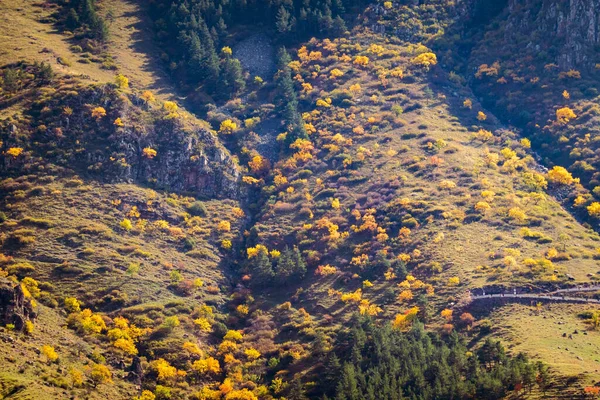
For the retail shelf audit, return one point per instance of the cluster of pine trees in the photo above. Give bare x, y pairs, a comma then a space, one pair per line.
373, 362
288, 100
287, 267
194, 31
81, 14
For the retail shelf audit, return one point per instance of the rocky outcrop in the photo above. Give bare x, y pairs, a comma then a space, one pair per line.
571, 28
187, 161
15, 308
185, 154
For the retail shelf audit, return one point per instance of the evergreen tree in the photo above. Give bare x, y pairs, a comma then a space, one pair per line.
232, 77
338, 27
210, 60
288, 101
262, 270
284, 23
45, 72
383, 363
290, 265
296, 391
72, 20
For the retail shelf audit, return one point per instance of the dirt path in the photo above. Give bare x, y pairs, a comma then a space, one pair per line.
133, 50
540, 297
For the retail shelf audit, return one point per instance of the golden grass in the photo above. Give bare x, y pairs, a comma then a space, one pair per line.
540, 336
24, 37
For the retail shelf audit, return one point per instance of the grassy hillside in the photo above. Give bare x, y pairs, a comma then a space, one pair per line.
230, 257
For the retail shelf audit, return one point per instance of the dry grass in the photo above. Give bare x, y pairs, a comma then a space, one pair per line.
541, 336
24, 37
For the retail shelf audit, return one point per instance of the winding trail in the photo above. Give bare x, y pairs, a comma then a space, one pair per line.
533, 296
555, 295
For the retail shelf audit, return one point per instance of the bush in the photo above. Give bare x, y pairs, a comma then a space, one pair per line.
197, 209
21, 269
189, 243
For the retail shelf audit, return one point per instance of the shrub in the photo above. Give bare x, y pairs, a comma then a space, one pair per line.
197, 209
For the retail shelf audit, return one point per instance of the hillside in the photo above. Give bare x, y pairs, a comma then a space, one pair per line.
174, 227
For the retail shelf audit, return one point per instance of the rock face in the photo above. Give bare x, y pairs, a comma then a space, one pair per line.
188, 161
133, 142
15, 308
572, 27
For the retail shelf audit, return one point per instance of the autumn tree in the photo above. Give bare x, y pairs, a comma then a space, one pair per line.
564, 115
100, 374
560, 176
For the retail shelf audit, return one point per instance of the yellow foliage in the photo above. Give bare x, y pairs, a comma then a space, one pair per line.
560, 175
147, 96
126, 345
594, 209
163, 369
275, 253
252, 354
192, 348
404, 321
336, 73
376, 49
149, 152
324, 103
122, 81
325, 270
171, 107
361, 60
233, 335
243, 394
366, 308
564, 115
203, 324
354, 297
447, 314
49, 352
72, 305
208, 365
482, 206
454, 281
249, 180
447, 184
227, 127
224, 226
254, 251
425, 59
14, 151
98, 112
101, 374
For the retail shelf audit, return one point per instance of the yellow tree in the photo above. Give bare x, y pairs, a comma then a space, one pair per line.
594, 209
121, 81
564, 115
98, 113
447, 314
560, 175
227, 127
